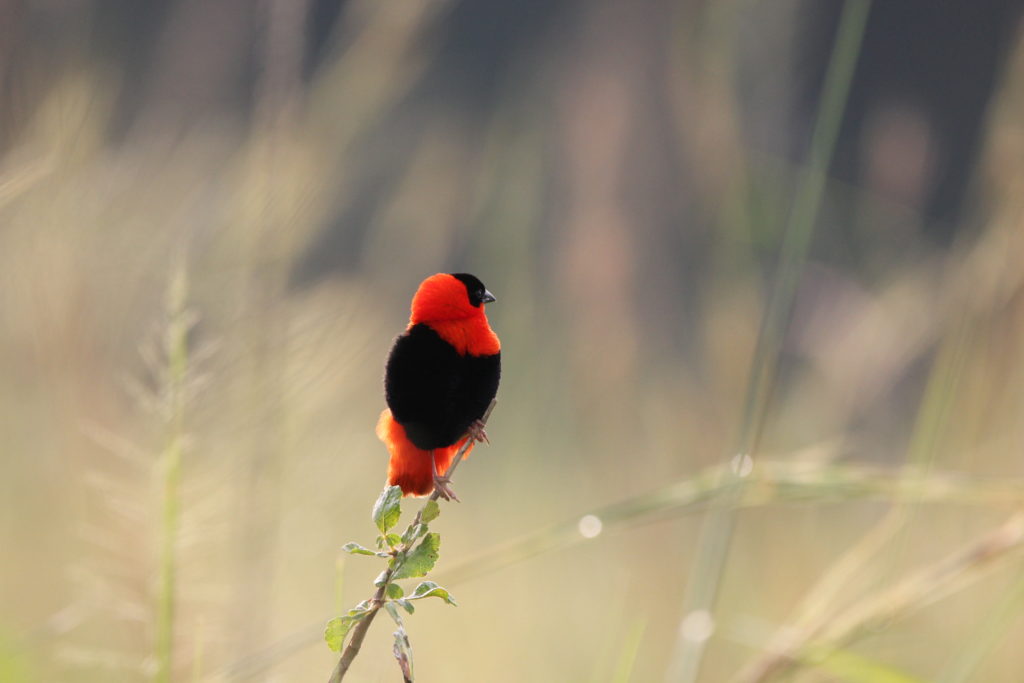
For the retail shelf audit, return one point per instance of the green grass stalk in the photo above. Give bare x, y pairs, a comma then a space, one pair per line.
176, 348
628, 652
716, 534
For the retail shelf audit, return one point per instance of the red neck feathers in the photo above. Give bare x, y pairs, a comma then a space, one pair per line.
472, 336
442, 303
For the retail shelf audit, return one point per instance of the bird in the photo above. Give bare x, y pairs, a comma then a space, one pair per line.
440, 377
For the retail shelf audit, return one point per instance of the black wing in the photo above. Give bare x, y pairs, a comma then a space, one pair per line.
478, 387
433, 391
420, 386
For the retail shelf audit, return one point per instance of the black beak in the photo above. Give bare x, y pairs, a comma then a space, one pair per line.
487, 298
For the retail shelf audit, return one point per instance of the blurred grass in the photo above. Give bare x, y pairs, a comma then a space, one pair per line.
282, 465
174, 393
716, 535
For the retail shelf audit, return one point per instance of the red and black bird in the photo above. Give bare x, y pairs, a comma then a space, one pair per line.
441, 375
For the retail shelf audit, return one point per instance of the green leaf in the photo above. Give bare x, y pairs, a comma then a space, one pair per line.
388, 508
429, 589
356, 549
393, 539
381, 578
406, 605
413, 532
390, 608
338, 627
430, 512
394, 591
420, 559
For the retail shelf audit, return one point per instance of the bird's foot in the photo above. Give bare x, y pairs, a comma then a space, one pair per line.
441, 482
443, 489
477, 432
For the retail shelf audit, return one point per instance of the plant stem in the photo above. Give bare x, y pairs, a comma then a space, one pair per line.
377, 601
359, 632
176, 348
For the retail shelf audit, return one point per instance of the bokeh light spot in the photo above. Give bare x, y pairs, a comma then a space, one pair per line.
590, 526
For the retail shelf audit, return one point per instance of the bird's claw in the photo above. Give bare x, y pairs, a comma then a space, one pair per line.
441, 482
443, 489
477, 432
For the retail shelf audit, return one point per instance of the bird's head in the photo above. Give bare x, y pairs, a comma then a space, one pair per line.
449, 296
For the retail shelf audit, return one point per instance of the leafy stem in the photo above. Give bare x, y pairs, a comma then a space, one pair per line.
410, 555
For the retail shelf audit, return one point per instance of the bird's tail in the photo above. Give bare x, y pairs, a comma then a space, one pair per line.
410, 467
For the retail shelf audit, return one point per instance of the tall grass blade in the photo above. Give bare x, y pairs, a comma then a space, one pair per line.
176, 347
716, 534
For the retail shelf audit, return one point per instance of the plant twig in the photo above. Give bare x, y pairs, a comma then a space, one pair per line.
377, 601
456, 460
359, 632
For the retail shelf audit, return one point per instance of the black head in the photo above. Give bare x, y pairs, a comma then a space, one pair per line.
478, 294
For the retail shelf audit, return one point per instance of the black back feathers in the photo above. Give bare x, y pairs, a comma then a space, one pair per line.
434, 391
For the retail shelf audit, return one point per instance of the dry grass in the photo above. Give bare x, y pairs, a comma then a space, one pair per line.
889, 472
